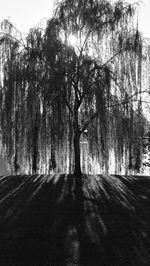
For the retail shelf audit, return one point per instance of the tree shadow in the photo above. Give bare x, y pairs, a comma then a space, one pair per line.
73, 220
113, 230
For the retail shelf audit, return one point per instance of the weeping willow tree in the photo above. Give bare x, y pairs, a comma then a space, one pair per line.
10, 100
79, 79
21, 95
102, 73
32, 108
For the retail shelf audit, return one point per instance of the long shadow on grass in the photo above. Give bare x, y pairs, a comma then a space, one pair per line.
115, 229
74, 220
36, 235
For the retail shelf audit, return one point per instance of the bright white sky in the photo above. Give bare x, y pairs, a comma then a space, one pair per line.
26, 14
143, 16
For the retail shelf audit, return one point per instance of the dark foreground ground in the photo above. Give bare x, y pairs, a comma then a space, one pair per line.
43, 223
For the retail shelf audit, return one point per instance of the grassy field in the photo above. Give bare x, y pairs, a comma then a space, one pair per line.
43, 222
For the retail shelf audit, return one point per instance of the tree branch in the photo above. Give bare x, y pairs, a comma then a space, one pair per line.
89, 121
14, 38
66, 101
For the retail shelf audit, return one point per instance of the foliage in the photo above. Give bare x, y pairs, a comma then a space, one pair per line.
54, 94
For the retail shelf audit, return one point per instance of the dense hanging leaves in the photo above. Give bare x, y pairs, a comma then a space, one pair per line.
50, 88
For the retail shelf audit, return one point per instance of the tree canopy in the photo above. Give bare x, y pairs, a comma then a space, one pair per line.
68, 103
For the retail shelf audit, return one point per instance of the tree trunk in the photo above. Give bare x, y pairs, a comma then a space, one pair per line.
52, 160
35, 147
77, 155
77, 165
70, 145
35, 151
16, 166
